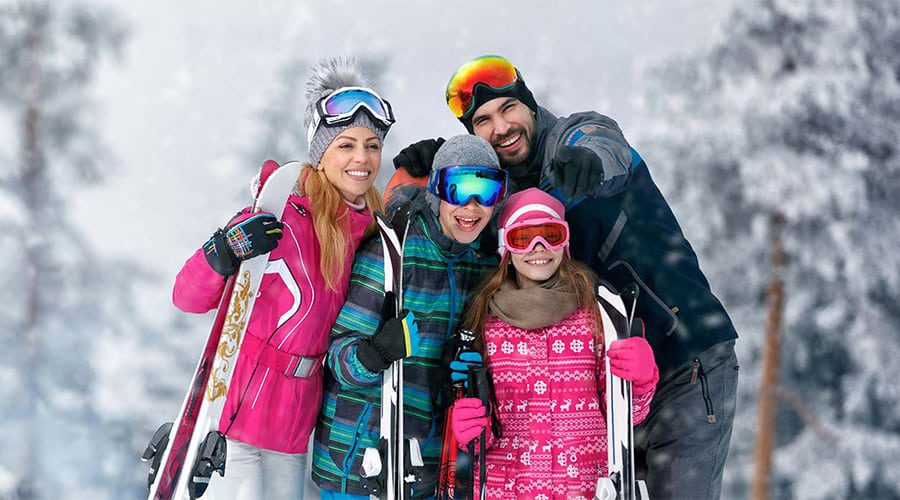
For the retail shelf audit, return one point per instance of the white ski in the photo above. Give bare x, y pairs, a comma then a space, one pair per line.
194, 448
389, 461
621, 483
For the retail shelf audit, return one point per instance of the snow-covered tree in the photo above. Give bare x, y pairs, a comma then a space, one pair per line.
794, 114
283, 137
61, 300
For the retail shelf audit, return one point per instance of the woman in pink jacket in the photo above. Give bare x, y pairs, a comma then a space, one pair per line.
276, 390
538, 324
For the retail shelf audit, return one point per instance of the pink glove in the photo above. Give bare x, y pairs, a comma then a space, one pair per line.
632, 359
467, 419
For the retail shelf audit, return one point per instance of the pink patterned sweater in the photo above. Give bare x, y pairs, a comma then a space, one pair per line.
550, 388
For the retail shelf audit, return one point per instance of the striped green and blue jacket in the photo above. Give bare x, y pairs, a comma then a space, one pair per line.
438, 275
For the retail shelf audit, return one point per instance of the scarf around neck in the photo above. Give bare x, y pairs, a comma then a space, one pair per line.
534, 307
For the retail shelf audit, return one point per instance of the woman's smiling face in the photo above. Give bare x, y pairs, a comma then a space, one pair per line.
352, 161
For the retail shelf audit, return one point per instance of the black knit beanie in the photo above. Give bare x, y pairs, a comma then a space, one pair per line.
483, 93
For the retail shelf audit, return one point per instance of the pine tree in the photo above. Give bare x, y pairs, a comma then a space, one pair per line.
60, 298
283, 136
796, 110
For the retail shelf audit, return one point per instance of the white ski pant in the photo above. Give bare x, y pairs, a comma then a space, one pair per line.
252, 473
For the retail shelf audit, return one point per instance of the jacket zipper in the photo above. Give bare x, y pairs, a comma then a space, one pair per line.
698, 374
351, 453
450, 324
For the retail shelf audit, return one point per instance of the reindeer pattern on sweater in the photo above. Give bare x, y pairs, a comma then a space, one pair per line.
550, 396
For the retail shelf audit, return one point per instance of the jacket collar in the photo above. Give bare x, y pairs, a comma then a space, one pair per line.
358, 220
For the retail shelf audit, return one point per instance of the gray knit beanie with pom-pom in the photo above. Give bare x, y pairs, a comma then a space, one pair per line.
324, 78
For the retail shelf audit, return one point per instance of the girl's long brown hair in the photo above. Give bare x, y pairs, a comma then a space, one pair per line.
578, 276
329, 216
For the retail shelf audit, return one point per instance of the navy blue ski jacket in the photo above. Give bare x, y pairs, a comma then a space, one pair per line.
626, 232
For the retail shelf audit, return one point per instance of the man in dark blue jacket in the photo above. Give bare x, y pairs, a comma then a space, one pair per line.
623, 228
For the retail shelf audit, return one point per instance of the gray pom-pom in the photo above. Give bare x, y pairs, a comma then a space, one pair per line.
329, 75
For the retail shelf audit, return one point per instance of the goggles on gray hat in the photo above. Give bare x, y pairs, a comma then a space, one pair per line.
344, 108
341, 106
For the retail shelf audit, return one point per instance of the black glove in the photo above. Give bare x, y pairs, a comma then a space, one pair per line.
456, 358
418, 156
395, 339
576, 171
247, 235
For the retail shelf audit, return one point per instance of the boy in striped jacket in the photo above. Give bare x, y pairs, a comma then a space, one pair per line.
441, 266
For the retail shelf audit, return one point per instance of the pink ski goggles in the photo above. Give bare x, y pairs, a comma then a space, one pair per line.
523, 237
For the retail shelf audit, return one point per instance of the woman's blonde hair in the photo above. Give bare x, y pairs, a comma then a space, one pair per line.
329, 214
573, 273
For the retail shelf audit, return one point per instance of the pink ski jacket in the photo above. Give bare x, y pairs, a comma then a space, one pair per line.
292, 316
550, 388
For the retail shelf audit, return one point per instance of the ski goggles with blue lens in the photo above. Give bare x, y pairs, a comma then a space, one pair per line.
457, 185
339, 108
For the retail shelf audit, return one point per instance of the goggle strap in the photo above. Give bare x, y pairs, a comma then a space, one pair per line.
318, 120
321, 115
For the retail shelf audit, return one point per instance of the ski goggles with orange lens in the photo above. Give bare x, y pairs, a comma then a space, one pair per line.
523, 237
343, 104
457, 185
492, 71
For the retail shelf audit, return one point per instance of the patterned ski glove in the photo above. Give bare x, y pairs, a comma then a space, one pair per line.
576, 171
418, 157
467, 419
632, 359
247, 235
397, 338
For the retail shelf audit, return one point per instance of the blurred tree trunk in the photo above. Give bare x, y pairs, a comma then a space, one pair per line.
50, 53
765, 437
33, 174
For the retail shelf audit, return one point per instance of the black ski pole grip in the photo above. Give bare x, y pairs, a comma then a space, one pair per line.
480, 387
477, 386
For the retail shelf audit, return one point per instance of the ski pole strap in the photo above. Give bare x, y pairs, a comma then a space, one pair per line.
288, 364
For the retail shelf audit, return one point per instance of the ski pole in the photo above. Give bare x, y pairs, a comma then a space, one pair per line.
480, 387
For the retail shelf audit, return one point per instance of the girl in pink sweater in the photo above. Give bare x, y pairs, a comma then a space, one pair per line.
537, 322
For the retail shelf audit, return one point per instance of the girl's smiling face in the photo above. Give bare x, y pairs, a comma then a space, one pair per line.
536, 266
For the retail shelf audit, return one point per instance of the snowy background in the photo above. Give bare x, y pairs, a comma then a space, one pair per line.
129, 131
